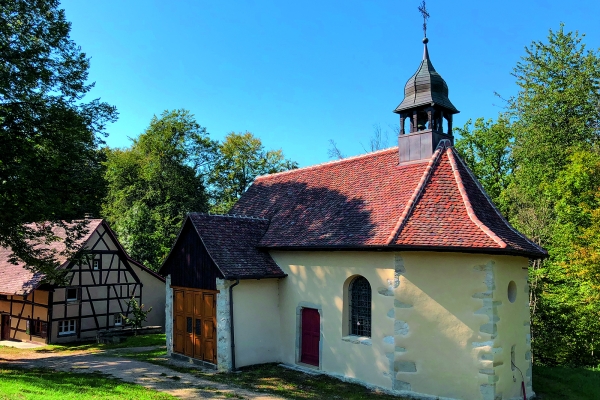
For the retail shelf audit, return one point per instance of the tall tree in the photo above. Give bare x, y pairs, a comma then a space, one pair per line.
241, 158
553, 170
486, 148
49, 163
153, 184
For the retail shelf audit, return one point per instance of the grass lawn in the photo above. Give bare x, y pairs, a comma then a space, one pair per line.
273, 379
132, 341
17, 383
561, 383
549, 383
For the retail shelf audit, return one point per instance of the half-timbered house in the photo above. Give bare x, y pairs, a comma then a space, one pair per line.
100, 286
393, 269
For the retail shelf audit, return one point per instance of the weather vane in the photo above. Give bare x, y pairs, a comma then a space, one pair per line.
425, 14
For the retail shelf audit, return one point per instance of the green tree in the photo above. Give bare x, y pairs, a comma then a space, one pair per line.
241, 158
566, 325
551, 189
50, 168
153, 184
556, 111
138, 315
486, 148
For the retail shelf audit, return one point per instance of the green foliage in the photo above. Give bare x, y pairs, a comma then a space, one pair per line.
486, 148
155, 183
138, 315
560, 383
553, 188
241, 158
548, 185
50, 168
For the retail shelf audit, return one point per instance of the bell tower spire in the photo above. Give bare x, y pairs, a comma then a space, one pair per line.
425, 107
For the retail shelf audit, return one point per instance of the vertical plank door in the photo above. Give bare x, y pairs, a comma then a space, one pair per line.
311, 327
179, 322
189, 323
198, 313
209, 328
5, 327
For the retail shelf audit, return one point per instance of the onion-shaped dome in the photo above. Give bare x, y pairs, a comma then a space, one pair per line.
426, 87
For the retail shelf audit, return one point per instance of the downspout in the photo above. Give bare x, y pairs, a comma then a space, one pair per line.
231, 328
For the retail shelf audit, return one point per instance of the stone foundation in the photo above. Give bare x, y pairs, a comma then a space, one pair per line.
169, 315
223, 326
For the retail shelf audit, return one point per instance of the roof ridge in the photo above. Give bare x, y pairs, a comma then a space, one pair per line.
232, 216
327, 163
482, 190
467, 202
412, 202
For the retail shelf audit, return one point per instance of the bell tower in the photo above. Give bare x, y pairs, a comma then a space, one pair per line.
426, 111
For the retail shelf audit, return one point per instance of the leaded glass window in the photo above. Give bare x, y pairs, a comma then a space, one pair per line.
360, 307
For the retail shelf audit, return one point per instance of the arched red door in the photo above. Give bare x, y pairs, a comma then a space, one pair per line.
311, 332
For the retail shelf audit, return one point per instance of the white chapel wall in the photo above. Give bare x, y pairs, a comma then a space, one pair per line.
441, 324
318, 278
256, 319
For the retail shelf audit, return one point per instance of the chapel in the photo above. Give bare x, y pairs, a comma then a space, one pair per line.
392, 269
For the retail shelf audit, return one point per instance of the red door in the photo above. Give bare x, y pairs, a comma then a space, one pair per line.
5, 327
311, 327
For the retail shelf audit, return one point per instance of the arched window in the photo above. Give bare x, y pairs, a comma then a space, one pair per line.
360, 307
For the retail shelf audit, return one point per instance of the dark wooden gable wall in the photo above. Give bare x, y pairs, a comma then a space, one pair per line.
189, 264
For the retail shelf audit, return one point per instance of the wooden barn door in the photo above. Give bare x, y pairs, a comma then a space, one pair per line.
178, 321
311, 332
195, 323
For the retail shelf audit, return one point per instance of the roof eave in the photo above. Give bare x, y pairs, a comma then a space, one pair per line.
255, 276
449, 249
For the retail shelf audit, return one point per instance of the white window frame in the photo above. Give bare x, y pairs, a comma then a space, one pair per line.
67, 327
71, 299
118, 320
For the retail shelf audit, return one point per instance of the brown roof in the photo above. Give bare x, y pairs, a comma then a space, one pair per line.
370, 201
232, 243
15, 279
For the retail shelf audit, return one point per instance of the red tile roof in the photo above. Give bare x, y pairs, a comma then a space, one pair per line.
232, 243
370, 201
15, 279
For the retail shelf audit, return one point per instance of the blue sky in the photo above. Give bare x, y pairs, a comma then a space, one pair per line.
297, 74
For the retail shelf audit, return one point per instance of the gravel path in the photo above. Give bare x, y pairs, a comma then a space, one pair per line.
181, 385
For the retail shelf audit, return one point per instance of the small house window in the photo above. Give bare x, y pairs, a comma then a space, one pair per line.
67, 327
38, 328
360, 307
72, 294
96, 264
118, 320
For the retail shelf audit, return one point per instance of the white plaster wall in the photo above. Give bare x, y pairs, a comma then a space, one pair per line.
513, 328
256, 320
153, 295
318, 278
438, 305
440, 320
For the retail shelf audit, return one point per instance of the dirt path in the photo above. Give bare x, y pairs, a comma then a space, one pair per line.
181, 385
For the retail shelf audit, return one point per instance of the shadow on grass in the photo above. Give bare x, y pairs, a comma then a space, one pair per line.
562, 383
158, 339
48, 384
273, 379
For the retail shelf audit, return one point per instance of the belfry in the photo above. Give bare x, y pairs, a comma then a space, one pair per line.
424, 109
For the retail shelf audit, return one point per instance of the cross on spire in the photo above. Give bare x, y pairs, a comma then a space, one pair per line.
425, 14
